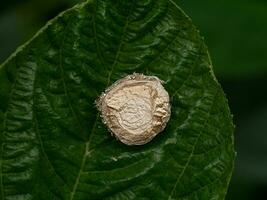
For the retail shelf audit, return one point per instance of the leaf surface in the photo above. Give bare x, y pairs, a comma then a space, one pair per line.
53, 143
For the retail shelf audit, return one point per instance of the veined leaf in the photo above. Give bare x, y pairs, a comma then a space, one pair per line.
53, 143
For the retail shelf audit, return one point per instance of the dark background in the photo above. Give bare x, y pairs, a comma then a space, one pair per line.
236, 34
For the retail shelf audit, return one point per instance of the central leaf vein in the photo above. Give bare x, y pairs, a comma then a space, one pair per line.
87, 145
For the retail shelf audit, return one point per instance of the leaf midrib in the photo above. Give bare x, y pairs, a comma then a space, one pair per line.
87, 144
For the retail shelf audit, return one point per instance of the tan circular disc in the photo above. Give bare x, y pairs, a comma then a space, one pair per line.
135, 108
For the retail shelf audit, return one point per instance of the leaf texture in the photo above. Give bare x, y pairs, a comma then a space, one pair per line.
53, 143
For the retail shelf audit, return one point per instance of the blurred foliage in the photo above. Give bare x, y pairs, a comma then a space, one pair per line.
235, 32
19, 20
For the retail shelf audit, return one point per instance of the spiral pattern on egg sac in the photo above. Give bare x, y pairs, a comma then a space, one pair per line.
135, 108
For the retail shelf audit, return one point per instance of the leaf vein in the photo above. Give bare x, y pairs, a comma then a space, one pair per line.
87, 145
2, 135
204, 186
86, 153
37, 130
95, 35
121, 43
63, 79
192, 152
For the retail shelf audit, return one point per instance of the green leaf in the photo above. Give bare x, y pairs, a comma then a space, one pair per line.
53, 143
